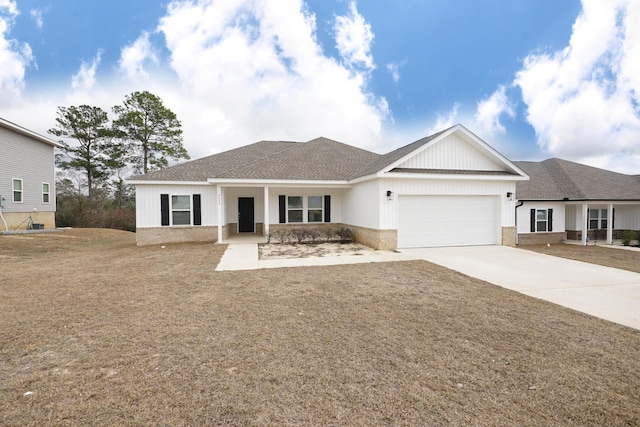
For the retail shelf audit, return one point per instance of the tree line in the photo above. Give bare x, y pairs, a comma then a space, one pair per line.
97, 154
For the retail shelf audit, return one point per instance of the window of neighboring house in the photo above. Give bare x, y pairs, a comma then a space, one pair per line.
597, 219
541, 220
181, 210
294, 209
17, 190
45, 192
314, 209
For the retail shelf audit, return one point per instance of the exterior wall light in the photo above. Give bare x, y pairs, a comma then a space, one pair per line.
389, 195
509, 195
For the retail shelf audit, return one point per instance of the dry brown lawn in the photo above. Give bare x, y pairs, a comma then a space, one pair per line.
96, 331
609, 257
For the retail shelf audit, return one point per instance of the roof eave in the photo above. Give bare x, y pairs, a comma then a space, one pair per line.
278, 182
26, 132
160, 182
400, 175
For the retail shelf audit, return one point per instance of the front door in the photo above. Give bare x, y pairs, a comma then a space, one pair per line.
245, 215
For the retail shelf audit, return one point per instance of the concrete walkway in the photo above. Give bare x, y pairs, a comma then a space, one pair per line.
244, 256
604, 292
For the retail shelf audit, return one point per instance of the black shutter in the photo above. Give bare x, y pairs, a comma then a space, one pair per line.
327, 208
550, 220
197, 213
533, 220
613, 220
282, 202
164, 208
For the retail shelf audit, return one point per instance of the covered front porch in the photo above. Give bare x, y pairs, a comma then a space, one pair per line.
602, 221
249, 212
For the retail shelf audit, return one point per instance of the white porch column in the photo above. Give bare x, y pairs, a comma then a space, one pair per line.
220, 218
266, 212
585, 221
610, 224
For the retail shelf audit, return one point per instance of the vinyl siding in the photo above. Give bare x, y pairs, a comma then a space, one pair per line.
627, 217
451, 153
148, 212
362, 204
31, 161
335, 193
389, 209
524, 212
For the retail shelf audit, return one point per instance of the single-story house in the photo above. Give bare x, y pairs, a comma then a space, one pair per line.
27, 178
448, 189
564, 200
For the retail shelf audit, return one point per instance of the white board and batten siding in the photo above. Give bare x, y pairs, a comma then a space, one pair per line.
452, 153
523, 214
304, 192
31, 161
148, 212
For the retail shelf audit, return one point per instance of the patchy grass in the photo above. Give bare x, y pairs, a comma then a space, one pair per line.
609, 257
102, 332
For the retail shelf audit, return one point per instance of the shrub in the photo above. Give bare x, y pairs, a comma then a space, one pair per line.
281, 235
328, 233
345, 234
627, 237
314, 234
300, 234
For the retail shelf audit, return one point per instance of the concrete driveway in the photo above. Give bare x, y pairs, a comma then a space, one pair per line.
603, 292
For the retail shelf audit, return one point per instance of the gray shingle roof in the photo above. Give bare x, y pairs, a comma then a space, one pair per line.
393, 156
318, 159
557, 179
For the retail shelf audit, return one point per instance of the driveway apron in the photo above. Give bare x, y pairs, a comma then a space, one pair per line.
604, 292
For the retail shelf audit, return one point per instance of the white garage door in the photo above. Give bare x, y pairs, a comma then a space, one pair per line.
431, 221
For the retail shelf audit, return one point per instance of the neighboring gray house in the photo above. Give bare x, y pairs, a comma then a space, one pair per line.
27, 178
448, 189
564, 200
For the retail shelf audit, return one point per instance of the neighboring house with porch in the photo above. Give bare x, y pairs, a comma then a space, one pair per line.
27, 178
564, 200
448, 189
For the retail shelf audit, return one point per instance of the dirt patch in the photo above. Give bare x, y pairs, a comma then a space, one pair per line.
284, 251
97, 331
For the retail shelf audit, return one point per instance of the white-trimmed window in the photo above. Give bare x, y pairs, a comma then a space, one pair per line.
541, 219
45, 192
16, 185
597, 219
181, 210
294, 209
314, 209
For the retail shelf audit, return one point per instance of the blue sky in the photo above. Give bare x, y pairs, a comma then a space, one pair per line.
533, 78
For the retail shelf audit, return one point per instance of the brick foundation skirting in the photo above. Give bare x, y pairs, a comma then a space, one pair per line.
509, 236
161, 235
541, 238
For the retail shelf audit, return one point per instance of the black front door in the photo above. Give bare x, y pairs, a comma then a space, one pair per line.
245, 215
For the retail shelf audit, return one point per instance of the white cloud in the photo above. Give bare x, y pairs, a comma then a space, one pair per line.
354, 38
394, 69
15, 57
583, 101
36, 14
85, 78
133, 57
252, 70
489, 111
445, 121
9, 7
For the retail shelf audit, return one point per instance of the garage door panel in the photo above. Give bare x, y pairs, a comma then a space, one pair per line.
429, 221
